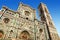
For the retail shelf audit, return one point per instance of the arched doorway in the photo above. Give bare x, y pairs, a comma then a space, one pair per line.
1, 33
25, 35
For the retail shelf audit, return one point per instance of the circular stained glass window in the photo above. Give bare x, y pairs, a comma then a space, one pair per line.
6, 20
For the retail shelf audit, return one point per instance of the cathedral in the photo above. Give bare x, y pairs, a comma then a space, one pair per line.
23, 24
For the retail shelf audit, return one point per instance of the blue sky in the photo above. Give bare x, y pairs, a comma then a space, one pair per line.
53, 7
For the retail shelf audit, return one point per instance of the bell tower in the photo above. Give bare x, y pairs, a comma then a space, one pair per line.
45, 16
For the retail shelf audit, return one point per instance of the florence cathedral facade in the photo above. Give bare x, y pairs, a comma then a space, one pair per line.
23, 24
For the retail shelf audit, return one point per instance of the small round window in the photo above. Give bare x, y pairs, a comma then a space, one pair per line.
6, 20
27, 13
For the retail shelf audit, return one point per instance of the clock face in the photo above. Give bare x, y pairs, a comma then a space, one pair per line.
27, 13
